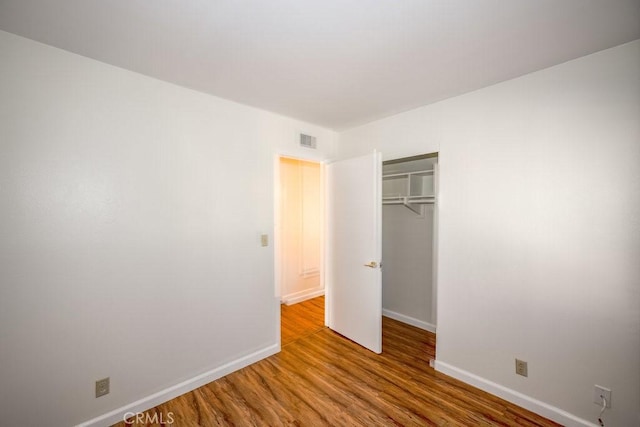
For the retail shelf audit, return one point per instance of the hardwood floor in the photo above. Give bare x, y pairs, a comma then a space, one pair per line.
301, 320
323, 379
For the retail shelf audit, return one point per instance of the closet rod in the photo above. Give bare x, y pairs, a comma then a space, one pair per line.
414, 205
408, 202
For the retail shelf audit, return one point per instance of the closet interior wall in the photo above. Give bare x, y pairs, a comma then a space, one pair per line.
408, 216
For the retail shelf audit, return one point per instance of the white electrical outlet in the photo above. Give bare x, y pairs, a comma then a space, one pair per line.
599, 392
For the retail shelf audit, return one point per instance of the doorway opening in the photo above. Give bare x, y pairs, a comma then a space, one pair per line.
409, 240
358, 190
299, 251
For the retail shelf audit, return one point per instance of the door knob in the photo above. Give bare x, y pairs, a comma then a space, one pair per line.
372, 264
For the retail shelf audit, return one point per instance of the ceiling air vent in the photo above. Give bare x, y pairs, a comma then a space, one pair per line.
308, 141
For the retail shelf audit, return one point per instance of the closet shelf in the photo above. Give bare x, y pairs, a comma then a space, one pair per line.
407, 174
410, 189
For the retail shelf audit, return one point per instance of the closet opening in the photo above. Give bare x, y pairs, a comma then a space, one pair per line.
299, 247
409, 225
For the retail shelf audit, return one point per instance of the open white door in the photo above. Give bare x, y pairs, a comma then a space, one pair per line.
354, 249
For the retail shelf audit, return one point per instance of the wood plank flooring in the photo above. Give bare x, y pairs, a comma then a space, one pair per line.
323, 379
301, 320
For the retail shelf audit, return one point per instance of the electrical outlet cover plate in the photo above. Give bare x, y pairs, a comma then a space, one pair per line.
521, 368
599, 391
102, 387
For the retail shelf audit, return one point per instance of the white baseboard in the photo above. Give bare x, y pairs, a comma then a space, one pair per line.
174, 391
297, 297
522, 400
409, 320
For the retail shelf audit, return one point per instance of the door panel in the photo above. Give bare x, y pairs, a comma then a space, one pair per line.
354, 242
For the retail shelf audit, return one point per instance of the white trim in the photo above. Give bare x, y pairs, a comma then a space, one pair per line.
311, 272
325, 267
409, 320
277, 256
176, 390
307, 155
297, 297
436, 215
515, 397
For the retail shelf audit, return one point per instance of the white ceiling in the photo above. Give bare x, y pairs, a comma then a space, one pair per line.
336, 63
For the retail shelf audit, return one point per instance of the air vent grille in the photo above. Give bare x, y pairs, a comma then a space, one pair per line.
308, 141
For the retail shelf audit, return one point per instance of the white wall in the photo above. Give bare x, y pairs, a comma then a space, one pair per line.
131, 214
539, 236
407, 256
300, 229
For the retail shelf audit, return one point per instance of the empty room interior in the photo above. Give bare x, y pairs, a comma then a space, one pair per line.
356, 213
